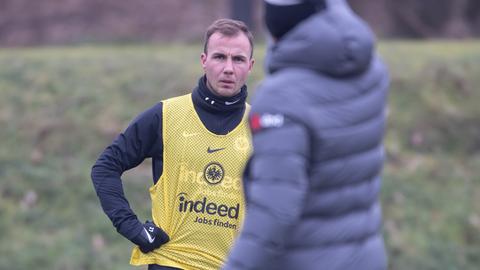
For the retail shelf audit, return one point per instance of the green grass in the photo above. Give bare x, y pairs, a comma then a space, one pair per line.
59, 107
431, 188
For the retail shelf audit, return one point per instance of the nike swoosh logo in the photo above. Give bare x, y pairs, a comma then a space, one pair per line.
186, 135
231, 103
213, 150
150, 239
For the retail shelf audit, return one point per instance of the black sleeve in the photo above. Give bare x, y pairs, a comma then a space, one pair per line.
142, 139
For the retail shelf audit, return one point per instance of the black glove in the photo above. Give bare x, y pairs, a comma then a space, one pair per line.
150, 237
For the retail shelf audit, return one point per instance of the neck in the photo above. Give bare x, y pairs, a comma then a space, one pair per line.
205, 98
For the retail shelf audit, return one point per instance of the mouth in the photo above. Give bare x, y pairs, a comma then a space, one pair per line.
227, 82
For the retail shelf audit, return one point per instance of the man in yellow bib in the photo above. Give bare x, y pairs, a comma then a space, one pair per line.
199, 144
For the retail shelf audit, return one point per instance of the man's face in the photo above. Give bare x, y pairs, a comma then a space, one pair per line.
227, 63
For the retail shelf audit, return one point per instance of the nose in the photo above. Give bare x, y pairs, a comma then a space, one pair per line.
228, 66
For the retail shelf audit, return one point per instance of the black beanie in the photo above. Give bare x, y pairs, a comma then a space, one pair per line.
280, 19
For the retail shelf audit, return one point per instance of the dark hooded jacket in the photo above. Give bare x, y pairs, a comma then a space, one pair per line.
312, 184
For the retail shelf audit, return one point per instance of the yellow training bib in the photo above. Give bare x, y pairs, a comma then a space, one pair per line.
198, 201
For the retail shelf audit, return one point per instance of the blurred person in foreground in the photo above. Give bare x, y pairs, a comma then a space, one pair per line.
199, 144
318, 120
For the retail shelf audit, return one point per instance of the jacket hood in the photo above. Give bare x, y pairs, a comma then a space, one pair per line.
333, 41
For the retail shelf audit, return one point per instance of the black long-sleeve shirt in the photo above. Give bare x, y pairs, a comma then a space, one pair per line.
143, 139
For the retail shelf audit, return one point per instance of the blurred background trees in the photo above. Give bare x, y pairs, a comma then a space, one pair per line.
47, 22
424, 19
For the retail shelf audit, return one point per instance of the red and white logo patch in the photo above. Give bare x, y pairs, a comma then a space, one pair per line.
266, 120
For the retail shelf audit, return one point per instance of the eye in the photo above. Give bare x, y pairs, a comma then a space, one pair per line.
219, 56
239, 59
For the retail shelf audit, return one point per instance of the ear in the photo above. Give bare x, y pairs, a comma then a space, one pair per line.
203, 59
252, 61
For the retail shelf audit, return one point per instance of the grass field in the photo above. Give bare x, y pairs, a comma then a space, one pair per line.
59, 107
